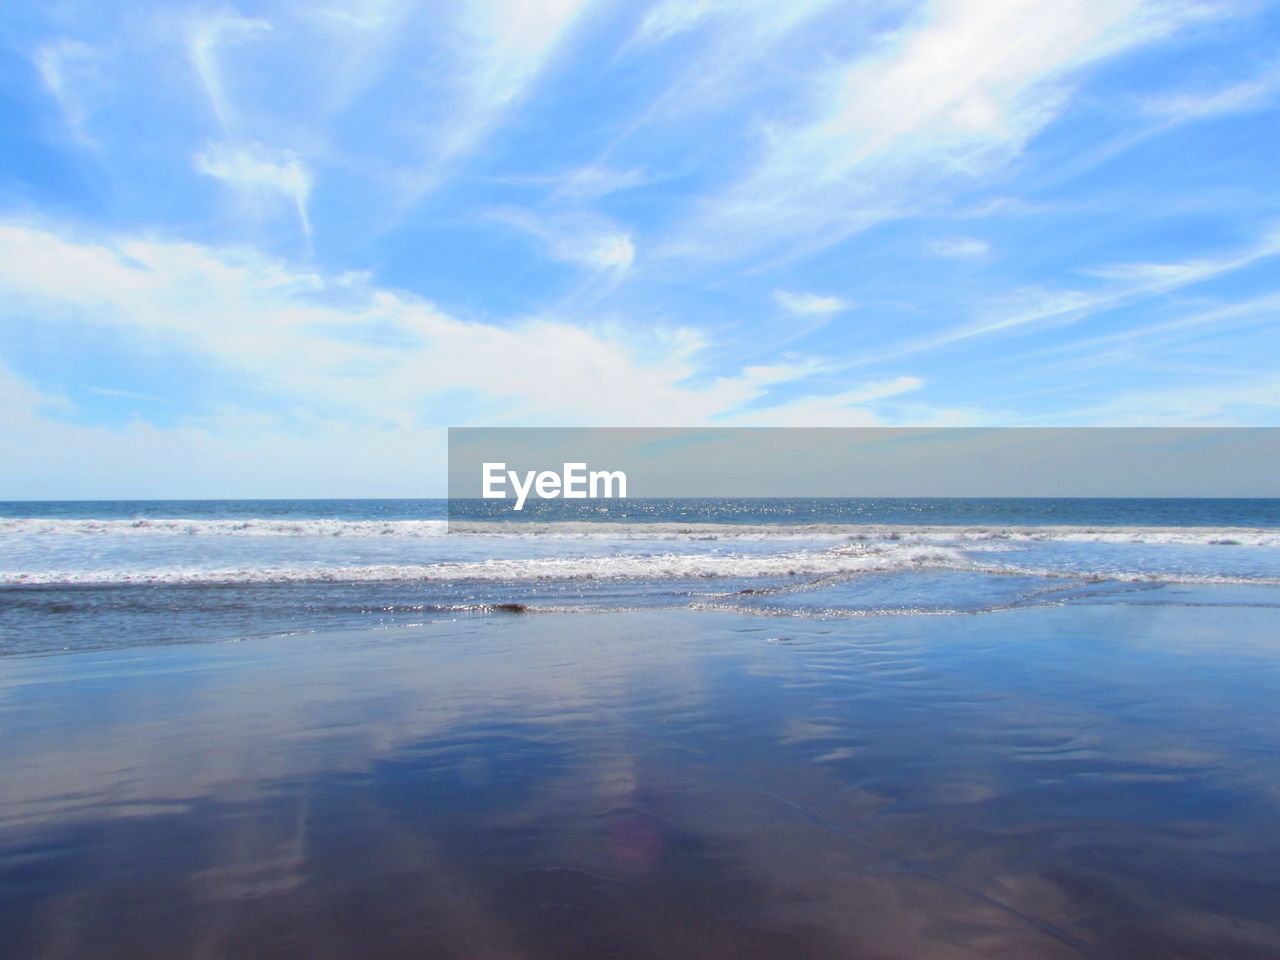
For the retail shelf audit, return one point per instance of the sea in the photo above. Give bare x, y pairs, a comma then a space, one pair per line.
98, 574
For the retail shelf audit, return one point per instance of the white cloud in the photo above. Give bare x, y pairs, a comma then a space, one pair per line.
496, 51
672, 17
952, 97
809, 304
124, 394
1246, 95
1238, 401
835, 410
747, 23
511, 42
71, 73
589, 240
316, 367
364, 38
595, 181
1253, 312
590, 182
1135, 281
1161, 277
233, 453
262, 176
741, 35
326, 344
16, 394
959, 247
205, 39
361, 15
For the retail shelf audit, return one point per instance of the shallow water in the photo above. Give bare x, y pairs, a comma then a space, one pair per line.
1055, 781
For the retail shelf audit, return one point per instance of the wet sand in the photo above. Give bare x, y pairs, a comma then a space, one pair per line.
1046, 783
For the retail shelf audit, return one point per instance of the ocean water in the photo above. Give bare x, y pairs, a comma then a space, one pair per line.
87, 575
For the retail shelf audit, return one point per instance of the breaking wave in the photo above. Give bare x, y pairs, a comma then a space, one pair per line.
417, 529
840, 561
29, 526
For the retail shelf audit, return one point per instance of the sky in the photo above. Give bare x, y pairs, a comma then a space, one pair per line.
276, 248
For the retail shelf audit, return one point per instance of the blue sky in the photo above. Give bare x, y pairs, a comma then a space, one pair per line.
264, 249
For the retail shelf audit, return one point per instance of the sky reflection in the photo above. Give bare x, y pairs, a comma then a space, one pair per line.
1042, 783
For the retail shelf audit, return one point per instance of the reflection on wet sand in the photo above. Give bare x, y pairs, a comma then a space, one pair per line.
1095, 782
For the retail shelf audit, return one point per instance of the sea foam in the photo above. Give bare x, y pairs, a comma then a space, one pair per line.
840, 561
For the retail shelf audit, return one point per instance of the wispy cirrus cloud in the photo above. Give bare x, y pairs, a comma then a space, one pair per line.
71, 71
1232, 401
592, 182
1159, 277
745, 23
125, 394
959, 246
809, 304
739, 35
209, 37
497, 50
943, 101
845, 409
1189, 324
263, 177
586, 239
1134, 282
1254, 93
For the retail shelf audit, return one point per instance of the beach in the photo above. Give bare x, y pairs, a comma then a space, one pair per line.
1053, 782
